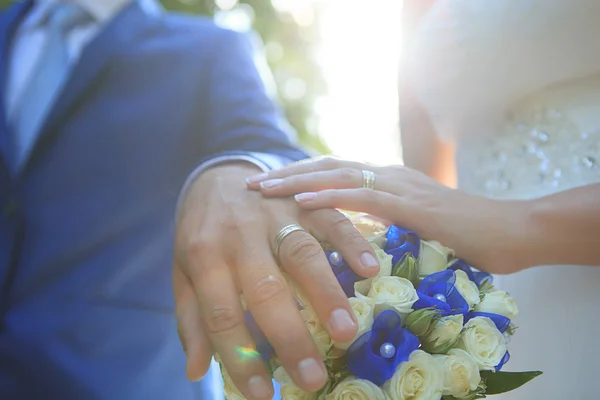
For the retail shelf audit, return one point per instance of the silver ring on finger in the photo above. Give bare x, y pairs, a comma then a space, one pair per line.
282, 234
368, 179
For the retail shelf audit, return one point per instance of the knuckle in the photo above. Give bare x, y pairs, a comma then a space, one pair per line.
304, 250
221, 319
339, 221
267, 290
329, 162
199, 246
239, 223
353, 239
347, 175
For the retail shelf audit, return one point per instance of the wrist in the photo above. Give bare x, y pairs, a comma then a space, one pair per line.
231, 169
523, 234
224, 178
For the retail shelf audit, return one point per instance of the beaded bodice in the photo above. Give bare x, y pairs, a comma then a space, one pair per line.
547, 144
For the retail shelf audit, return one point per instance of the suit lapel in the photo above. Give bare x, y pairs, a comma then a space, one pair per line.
9, 20
116, 37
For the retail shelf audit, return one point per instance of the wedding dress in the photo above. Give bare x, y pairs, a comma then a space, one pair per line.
516, 85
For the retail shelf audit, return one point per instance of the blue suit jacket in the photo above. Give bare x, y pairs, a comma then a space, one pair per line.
86, 227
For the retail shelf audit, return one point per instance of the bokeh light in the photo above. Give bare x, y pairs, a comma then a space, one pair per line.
359, 54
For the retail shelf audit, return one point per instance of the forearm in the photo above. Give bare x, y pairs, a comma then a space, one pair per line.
562, 228
421, 148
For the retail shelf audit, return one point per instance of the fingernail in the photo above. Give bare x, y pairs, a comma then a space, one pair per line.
303, 197
257, 178
259, 388
310, 372
369, 261
341, 322
270, 183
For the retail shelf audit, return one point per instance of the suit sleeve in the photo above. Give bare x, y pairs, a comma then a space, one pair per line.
243, 122
241, 116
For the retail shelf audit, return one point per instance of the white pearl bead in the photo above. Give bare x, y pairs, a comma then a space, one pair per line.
440, 297
387, 350
335, 259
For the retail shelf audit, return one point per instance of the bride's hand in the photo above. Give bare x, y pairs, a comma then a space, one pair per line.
485, 232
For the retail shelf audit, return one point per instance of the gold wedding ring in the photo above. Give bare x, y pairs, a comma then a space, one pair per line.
368, 179
282, 234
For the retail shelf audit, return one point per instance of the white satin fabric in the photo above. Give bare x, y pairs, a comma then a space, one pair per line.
516, 84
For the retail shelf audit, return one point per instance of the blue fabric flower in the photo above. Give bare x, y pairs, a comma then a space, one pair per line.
438, 291
502, 362
478, 277
502, 323
400, 242
375, 355
344, 274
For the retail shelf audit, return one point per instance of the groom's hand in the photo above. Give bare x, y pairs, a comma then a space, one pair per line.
223, 248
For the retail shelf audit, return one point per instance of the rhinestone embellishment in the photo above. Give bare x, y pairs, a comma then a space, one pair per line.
534, 154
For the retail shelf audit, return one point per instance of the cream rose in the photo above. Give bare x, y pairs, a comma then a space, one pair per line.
419, 378
392, 292
231, 392
484, 342
460, 373
467, 289
444, 335
353, 388
433, 257
317, 330
364, 312
288, 389
385, 269
498, 302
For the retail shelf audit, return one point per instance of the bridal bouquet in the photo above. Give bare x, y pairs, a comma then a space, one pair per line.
430, 328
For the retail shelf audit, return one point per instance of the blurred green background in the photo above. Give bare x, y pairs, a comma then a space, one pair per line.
289, 43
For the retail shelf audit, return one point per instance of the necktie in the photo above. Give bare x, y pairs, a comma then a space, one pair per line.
47, 79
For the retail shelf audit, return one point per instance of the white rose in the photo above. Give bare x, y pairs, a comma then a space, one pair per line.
445, 333
353, 388
231, 392
460, 372
288, 389
364, 312
467, 289
433, 257
498, 302
392, 292
317, 331
419, 378
484, 342
385, 269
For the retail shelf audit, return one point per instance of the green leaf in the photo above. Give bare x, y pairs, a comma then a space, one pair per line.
502, 382
511, 329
